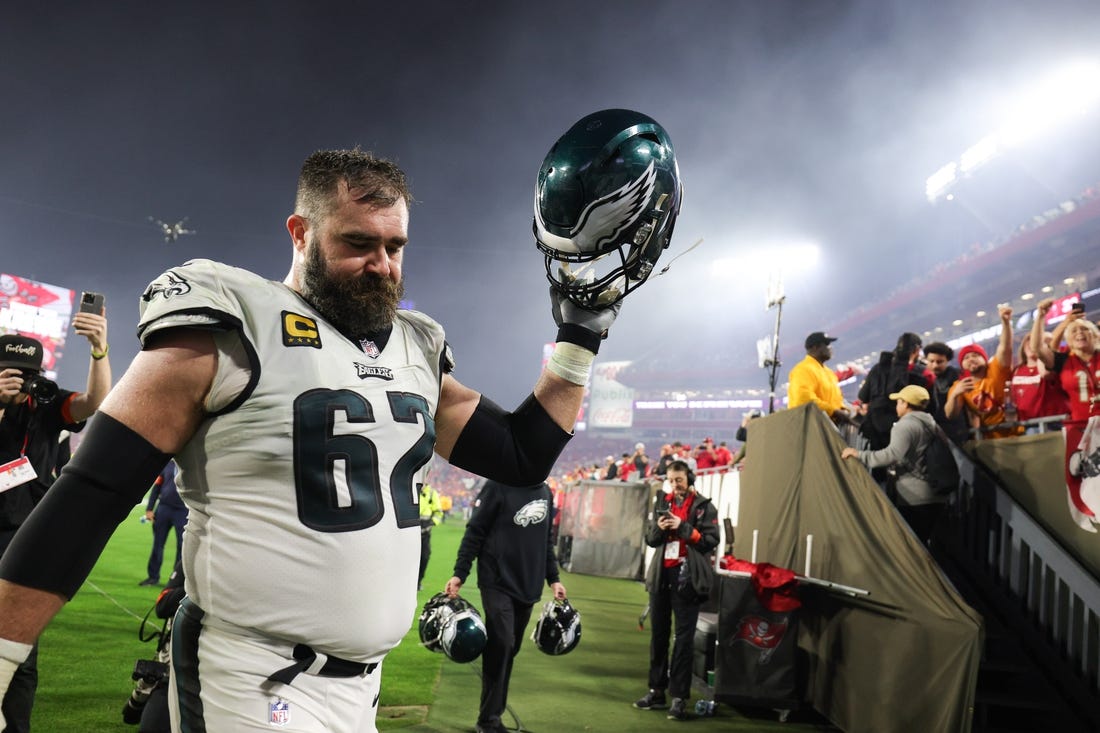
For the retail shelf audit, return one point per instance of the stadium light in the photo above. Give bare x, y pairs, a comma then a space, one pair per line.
938, 183
796, 258
1069, 93
979, 153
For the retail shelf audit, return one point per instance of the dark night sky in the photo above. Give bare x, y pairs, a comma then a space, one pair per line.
814, 120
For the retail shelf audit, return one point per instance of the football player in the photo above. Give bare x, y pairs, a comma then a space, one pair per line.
302, 415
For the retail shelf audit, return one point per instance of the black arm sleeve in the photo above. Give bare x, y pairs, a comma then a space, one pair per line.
58, 545
515, 448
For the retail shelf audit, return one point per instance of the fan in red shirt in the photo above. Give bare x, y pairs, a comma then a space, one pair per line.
1078, 371
705, 456
724, 457
1035, 390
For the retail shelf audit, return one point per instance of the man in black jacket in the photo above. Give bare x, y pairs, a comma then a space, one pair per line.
509, 536
684, 529
895, 370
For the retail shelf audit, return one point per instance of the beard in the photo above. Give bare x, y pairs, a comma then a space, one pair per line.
357, 306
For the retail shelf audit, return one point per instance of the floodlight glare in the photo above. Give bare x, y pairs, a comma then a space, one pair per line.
1067, 93
980, 152
938, 183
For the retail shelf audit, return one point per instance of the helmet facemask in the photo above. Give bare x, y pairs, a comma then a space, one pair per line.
558, 630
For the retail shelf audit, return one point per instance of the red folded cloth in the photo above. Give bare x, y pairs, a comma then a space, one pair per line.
776, 588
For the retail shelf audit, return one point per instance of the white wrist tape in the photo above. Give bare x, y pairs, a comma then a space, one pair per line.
14, 651
12, 654
571, 362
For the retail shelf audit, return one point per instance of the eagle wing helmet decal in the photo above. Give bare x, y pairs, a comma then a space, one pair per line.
604, 219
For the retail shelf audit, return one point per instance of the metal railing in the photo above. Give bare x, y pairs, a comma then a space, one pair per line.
1049, 598
1041, 425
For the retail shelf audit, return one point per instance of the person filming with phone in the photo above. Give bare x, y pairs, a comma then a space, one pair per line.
34, 411
684, 531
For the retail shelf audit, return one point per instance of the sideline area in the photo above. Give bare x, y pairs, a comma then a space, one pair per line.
590, 689
87, 655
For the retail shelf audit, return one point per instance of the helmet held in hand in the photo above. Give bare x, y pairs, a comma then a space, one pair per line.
606, 201
452, 626
558, 630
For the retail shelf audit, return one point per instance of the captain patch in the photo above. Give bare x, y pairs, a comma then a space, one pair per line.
299, 330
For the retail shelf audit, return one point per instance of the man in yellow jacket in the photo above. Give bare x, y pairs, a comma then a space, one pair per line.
812, 381
431, 514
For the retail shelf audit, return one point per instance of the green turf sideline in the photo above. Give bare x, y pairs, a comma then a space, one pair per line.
89, 650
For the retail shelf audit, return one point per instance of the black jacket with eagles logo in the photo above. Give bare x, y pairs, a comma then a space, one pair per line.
509, 536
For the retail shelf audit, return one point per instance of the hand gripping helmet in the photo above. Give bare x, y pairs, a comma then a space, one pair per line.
452, 626
608, 190
558, 630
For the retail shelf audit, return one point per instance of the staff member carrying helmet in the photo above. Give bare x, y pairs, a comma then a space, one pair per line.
509, 535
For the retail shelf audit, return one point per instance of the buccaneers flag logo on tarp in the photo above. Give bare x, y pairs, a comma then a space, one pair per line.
761, 633
757, 664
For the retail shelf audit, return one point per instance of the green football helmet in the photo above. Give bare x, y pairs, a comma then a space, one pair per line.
606, 200
452, 626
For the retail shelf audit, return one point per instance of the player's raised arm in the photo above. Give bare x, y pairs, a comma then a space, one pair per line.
598, 248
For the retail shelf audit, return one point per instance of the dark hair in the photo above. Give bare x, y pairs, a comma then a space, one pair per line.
680, 466
381, 180
938, 347
907, 343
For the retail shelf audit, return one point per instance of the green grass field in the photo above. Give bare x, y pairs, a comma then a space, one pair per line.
88, 652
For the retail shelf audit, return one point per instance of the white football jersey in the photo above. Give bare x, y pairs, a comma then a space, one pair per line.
302, 486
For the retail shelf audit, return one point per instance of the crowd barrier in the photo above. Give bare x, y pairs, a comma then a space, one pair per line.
1010, 526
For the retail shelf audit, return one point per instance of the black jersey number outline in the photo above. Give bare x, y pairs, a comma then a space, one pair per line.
317, 449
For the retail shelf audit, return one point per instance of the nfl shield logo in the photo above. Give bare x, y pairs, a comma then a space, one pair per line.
279, 713
369, 348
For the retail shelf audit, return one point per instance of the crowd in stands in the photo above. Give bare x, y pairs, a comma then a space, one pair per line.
977, 249
580, 461
973, 394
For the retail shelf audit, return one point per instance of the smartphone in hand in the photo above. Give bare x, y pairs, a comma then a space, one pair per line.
91, 302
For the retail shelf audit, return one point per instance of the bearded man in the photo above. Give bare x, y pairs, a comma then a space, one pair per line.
302, 415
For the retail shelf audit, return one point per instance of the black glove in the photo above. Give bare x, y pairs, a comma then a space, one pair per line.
566, 311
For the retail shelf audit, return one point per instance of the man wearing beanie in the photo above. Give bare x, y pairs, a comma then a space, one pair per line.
980, 393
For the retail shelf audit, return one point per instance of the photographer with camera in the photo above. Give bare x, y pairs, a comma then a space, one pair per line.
33, 413
147, 706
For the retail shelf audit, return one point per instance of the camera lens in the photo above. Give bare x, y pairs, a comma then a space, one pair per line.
40, 388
